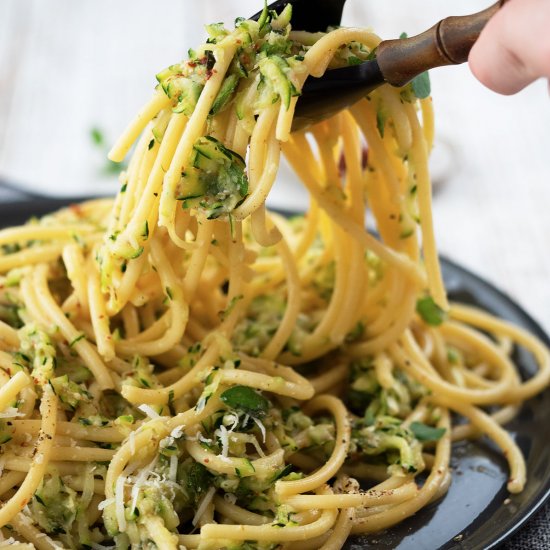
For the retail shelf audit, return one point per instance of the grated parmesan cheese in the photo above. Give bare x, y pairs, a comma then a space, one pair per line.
173, 473
260, 425
141, 479
149, 411
119, 502
206, 499
11, 412
231, 417
177, 432
104, 503
203, 439
224, 439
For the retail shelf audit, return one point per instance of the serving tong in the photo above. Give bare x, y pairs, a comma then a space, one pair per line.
397, 62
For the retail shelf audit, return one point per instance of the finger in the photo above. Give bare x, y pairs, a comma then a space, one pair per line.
514, 48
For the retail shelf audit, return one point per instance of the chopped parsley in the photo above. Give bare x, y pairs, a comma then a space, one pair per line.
423, 432
246, 400
429, 311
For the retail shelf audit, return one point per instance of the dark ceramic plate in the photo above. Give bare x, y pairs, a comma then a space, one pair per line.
473, 515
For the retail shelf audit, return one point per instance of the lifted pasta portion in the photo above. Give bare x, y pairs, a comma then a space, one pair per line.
180, 368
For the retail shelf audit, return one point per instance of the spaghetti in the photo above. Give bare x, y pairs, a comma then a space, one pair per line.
181, 368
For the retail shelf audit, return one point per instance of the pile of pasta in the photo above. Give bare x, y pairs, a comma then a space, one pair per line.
181, 368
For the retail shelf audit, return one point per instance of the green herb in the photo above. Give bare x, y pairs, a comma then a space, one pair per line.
97, 136
151, 144
169, 293
422, 432
283, 517
112, 167
77, 339
354, 60
372, 54
11, 248
137, 253
381, 117
123, 188
421, 85
230, 307
198, 480
282, 473
356, 332
145, 233
453, 356
245, 399
249, 466
430, 312
98, 139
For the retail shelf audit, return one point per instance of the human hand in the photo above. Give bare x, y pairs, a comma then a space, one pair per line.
513, 49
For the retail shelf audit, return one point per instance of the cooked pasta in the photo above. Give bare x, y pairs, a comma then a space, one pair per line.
181, 368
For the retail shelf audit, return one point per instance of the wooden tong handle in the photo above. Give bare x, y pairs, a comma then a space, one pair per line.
447, 43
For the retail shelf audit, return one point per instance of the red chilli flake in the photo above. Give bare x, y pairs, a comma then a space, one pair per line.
77, 210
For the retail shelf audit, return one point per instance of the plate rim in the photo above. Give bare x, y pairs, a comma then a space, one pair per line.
542, 495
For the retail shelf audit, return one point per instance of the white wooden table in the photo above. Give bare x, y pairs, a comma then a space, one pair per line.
67, 66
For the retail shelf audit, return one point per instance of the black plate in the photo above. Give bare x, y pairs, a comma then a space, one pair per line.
472, 515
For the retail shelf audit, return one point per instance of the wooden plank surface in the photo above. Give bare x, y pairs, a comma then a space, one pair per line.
67, 66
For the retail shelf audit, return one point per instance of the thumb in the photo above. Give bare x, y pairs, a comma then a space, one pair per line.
513, 49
